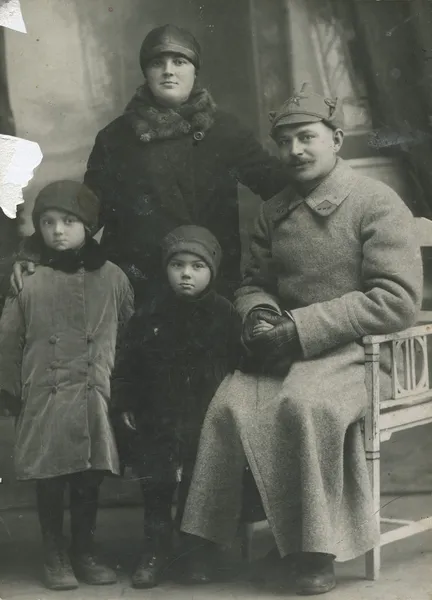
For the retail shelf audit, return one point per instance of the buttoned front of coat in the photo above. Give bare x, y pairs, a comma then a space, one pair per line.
57, 349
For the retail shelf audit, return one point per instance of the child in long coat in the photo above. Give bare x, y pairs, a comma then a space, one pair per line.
57, 347
179, 347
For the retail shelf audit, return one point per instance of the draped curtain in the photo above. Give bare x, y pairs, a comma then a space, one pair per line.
7, 126
396, 59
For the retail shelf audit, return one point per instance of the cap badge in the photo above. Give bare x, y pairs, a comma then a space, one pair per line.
294, 100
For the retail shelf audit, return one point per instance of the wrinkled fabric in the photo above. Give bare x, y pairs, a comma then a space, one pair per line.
346, 263
57, 347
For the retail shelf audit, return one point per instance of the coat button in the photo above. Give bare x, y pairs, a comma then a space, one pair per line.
90, 363
54, 389
198, 136
90, 386
90, 338
53, 339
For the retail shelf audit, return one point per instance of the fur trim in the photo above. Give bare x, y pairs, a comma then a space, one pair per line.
153, 122
90, 257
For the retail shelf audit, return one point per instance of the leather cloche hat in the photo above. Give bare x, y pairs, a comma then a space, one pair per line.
170, 38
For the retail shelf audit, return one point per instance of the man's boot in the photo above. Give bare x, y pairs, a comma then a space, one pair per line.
315, 573
156, 556
57, 570
201, 562
86, 564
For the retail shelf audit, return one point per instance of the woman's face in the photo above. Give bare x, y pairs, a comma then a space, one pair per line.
171, 78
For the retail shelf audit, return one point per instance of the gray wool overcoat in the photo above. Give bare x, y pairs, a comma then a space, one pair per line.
57, 348
346, 263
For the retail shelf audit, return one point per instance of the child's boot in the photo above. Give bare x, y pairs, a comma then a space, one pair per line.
58, 573
155, 559
86, 564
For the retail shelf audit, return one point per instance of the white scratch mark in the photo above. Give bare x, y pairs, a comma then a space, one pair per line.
18, 159
11, 15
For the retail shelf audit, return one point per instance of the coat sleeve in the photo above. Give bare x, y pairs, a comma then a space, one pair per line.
12, 340
259, 286
129, 375
252, 165
235, 349
98, 177
126, 308
392, 284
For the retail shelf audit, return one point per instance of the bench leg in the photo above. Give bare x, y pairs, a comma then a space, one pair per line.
373, 557
373, 563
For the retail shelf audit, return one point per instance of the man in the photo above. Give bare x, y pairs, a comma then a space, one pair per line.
334, 258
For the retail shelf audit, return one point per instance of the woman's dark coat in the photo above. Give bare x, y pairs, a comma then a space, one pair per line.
173, 358
179, 171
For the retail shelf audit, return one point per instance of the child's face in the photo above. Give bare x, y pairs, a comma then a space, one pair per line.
61, 230
188, 274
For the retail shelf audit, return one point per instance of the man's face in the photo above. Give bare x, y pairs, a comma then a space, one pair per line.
308, 149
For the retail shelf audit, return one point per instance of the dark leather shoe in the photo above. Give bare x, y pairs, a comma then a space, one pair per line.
91, 570
149, 570
199, 571
201, 563
316, 574
58, 574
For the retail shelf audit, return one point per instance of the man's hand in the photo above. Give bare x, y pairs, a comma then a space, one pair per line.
19, 268
128, 420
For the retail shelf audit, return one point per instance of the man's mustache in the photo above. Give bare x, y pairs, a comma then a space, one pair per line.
297, 162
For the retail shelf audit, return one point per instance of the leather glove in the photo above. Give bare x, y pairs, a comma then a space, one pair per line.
252, 322
274, 351
282, 339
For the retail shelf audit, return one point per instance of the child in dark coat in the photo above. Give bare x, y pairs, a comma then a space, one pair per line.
178, 348
57, 346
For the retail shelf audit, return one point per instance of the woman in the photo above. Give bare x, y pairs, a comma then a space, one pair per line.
173, 158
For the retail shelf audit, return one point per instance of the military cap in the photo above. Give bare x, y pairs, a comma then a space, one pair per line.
307, 107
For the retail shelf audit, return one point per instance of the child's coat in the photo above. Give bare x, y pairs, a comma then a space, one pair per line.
57, 348
174, 357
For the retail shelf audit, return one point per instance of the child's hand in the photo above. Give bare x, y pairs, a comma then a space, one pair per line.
128, 419
261, 327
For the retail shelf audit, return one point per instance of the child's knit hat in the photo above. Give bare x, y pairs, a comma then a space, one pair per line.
196, 240
70, 196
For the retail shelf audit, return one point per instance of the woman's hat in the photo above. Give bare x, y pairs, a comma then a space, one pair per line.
70, 196
170, 38
196, 240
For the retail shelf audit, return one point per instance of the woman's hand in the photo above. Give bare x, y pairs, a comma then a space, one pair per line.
19, 268
128, 420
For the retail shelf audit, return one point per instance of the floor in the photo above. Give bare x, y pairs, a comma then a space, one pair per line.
406, 571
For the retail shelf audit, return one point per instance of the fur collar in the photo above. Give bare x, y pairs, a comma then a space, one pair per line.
153, 122
90, 257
